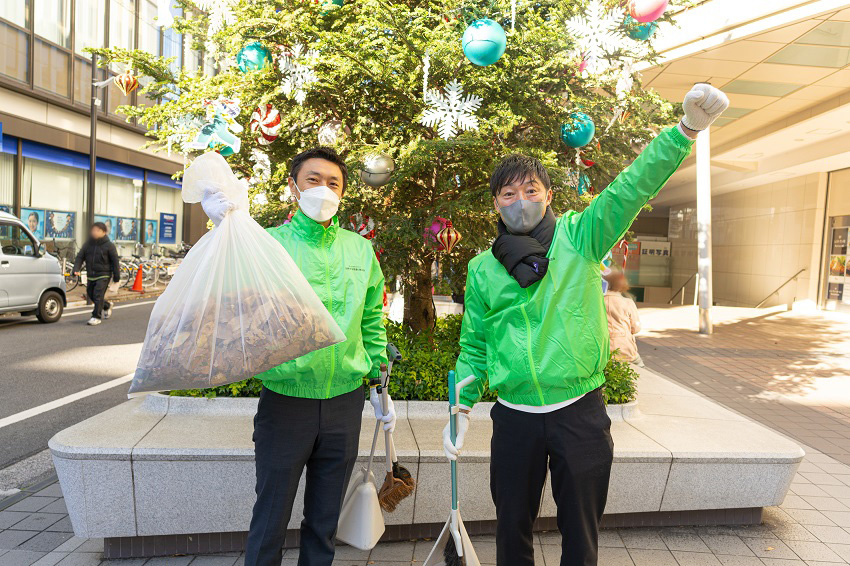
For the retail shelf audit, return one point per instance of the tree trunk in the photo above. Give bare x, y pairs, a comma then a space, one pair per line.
419, 311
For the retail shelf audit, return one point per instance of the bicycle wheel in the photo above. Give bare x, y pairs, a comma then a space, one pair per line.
71, 282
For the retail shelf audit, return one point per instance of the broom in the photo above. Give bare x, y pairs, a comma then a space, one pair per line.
395, 489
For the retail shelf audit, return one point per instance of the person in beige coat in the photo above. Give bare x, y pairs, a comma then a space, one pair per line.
623, 319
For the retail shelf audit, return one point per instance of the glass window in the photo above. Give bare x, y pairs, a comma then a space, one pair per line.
14, 52
7, 181
51, 71
49, 186
194, 59
172, 43
148, 27
54, 21
120, 198
122, 24
89, 25
82, 84
162, 199
15, 241
16, 11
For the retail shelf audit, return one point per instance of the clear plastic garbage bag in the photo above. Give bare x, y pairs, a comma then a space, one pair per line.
237, 306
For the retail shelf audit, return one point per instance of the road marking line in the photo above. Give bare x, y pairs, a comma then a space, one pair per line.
23, 415
115, 308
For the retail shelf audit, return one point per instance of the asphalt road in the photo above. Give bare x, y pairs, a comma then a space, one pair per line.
40, 363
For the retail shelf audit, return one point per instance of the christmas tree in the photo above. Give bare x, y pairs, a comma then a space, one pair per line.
376, 79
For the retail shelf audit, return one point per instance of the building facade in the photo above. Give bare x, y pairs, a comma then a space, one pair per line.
45, 101
780, 156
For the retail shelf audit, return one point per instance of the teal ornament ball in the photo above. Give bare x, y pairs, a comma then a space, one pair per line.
579, 130
637, 30
484, 42
253, 57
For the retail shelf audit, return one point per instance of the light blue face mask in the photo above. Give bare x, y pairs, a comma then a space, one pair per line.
523, 215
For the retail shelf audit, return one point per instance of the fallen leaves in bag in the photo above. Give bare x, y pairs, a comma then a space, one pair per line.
230, 338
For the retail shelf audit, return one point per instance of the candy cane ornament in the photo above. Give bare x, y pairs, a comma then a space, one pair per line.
265, 121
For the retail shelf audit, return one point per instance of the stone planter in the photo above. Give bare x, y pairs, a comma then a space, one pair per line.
161, 466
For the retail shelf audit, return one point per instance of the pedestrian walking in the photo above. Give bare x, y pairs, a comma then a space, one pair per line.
101, 260
310, 408
623, 318
535, 327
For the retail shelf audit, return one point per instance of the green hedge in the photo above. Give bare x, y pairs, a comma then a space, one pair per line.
428, 357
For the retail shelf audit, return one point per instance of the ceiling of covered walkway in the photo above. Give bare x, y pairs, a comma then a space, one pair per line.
785, 65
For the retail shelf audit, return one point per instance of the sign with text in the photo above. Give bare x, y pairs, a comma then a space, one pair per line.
167, 228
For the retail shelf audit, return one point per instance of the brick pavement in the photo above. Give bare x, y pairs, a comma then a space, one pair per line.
790, 371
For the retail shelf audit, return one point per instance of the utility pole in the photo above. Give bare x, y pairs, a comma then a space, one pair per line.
95, 102
704, 230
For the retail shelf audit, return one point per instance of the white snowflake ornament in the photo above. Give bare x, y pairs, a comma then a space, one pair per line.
295, 65
452, 111
597, 33
221, 13
262, 170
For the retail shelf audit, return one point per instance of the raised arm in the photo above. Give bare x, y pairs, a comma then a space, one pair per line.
603, 223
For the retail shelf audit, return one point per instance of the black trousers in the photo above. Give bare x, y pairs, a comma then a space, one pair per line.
290, 434
96, 291
575, 443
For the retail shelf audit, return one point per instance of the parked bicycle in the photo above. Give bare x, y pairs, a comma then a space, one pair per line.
66, 256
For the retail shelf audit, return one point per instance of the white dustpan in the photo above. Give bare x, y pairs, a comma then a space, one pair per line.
461, 538
361, 522
454, 526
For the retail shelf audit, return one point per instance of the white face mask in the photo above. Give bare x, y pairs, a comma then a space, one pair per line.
318, 203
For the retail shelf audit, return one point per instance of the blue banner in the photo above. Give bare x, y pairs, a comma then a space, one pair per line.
167, 228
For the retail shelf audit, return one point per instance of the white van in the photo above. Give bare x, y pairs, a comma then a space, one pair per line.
31, 280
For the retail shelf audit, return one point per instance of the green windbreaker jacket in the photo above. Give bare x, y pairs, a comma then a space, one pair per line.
549, 342
343, 271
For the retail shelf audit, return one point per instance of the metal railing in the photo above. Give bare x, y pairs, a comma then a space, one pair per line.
682, 288
792, 278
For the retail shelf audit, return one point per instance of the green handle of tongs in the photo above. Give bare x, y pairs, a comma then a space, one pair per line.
453, 429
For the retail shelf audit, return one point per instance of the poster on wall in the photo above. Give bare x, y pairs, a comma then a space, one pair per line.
835, 291
61, 224
126, 230
111, 224
150, 231
839, 241
34, 219
837, 265
167, 228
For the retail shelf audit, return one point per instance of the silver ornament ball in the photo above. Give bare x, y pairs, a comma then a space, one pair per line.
377, 170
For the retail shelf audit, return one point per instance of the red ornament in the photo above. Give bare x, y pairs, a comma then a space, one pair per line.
126, 82
265, 122
448, 236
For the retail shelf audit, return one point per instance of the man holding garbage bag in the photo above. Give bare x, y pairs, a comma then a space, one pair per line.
310, 408
535, 326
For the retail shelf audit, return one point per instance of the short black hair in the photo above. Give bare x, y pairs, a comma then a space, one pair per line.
515, 168
33, 213
320, 152
100, 225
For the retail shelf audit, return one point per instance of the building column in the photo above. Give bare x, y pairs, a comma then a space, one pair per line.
704, 230
18, 189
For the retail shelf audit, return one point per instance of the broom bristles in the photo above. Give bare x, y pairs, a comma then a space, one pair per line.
393, 492
450, 556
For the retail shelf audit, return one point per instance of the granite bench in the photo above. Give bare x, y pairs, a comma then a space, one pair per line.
159, 474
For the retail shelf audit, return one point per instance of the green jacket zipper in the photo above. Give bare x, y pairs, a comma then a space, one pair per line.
332, 349
528, 347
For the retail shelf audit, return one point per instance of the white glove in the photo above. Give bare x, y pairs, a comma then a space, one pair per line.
216, 204
388, 418
452, 450
702, 105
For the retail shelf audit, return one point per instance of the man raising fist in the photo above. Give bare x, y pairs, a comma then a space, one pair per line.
535, 327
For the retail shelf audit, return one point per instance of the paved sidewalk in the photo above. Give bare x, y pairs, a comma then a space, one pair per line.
788, 370
812, 528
